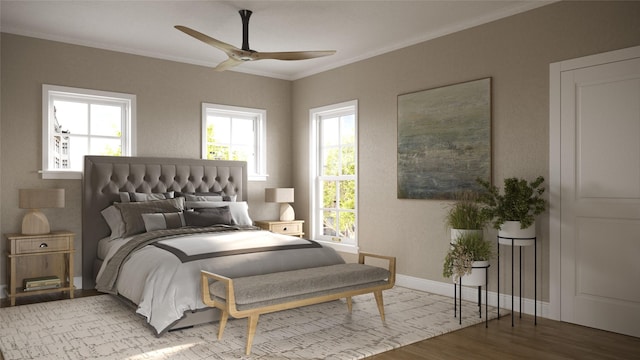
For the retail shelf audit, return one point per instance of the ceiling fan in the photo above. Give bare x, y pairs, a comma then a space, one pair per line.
238, 56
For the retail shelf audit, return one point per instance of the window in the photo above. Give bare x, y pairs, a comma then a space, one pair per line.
235, 133
334, 173
79, 122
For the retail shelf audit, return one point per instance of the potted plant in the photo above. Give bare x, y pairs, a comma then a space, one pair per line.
468, 257
513, 211
465, 215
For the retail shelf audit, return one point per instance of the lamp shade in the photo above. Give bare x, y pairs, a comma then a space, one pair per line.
278, 195
41, 198
34, 221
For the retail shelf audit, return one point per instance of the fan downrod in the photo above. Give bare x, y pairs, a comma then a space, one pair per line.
245, 15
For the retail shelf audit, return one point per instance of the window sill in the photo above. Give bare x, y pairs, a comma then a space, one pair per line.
345, 248
51, 174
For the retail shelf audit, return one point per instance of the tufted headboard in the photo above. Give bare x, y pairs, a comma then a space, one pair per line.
106, 176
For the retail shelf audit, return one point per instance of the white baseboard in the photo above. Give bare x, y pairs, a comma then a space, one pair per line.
471, 294
434, 287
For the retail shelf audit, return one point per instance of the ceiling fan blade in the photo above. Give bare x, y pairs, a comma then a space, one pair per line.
227, 64
227, 48
291, 55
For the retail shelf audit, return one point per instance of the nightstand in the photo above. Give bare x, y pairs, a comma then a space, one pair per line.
292, 227
40, 257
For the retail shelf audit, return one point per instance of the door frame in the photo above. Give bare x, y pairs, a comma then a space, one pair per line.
555, 216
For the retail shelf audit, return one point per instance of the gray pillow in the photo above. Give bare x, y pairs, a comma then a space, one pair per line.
209, 217
132, 212
162, 221
113, 217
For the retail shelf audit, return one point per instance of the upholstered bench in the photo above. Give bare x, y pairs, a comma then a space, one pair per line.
260, 294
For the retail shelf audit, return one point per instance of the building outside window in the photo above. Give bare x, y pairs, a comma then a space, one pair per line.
79, 122
235, 133
334, 173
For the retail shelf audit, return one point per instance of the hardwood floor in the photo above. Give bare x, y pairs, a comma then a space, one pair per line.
548, 340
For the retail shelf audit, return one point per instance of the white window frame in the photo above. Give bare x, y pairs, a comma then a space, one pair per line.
259, 173
52, 92
315, 225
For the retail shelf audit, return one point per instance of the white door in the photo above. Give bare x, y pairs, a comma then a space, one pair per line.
600, 195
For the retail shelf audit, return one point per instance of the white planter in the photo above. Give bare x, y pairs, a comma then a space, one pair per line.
521, 237
456, 233
477, 276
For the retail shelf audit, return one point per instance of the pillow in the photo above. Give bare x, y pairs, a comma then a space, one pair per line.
239, 210
162, 221
136, 197
132, 212
209, 197
188, 197
114, 219
213, 216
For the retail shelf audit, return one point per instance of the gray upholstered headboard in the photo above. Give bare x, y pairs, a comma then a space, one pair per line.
106, 176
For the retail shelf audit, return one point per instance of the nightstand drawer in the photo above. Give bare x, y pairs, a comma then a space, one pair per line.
289, 228
26, 246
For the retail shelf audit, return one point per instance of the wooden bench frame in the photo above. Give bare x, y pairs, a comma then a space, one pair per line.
229, 307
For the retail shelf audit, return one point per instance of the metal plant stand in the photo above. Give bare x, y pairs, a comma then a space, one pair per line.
520, 242
456, 292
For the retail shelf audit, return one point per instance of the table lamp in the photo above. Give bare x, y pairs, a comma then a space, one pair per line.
284, 196
34, 221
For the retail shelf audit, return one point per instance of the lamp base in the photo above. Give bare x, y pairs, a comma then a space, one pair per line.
35, 222
286, 212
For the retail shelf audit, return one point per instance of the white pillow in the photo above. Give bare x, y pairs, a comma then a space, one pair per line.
239, 210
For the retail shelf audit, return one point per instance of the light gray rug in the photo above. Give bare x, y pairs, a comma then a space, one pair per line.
101, 327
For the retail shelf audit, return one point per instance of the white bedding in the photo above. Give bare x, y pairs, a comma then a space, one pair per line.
164, 288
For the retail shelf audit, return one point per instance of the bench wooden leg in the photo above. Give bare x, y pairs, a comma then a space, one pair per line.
223, 323
251, 331
349, 303
380, 302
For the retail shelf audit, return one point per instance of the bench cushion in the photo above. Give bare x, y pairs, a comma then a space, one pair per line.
261, 290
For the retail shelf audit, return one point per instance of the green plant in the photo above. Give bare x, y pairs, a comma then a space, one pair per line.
468, 248
521, 201
466, 213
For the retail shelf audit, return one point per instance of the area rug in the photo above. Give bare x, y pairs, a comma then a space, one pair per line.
101, 327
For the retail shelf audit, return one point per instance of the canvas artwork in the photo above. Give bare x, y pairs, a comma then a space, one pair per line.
444, 140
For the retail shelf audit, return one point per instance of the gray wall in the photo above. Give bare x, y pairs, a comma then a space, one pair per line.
516, 53
169, 97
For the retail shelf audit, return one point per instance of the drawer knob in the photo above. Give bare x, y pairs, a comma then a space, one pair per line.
284, 228
44, 245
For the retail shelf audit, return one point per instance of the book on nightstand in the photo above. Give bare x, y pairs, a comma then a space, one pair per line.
41, 283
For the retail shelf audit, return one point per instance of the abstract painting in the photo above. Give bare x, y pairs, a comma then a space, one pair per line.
444, 140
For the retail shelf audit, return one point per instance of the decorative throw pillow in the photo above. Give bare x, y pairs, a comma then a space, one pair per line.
137, 197
213, 216
239, 210
132, 212
209, 197
162, 221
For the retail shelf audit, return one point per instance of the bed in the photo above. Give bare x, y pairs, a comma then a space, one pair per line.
150, 225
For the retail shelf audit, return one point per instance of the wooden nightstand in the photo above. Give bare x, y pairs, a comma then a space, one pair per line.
293, 227
36, 256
